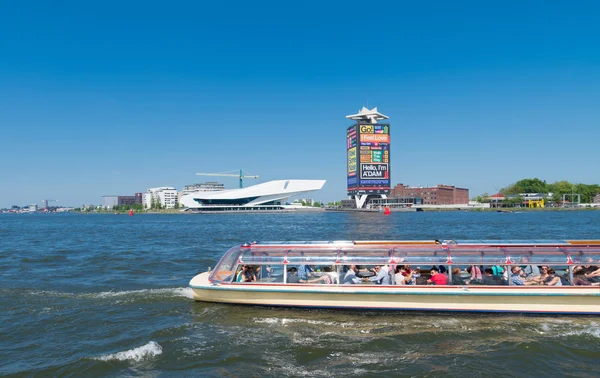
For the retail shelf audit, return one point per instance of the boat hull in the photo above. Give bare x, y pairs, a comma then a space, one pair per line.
558, 300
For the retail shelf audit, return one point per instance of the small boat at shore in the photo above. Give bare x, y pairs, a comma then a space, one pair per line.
348, 275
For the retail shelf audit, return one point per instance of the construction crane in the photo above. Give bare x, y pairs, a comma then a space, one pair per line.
241, 175
45, 202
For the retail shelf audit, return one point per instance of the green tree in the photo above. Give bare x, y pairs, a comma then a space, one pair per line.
152, 202
528, 185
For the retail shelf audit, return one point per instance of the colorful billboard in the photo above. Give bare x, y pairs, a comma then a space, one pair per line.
351, 138
368, 150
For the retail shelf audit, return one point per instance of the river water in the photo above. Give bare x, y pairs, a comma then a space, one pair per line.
107, 295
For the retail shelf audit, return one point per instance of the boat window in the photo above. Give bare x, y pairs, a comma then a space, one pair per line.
537, 255
312, 256
584, 255
427, 255
225, 268
262, 256
477, 256
366, 256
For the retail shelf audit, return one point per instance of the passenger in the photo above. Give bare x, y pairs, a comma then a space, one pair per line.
292, 276
240, 274
542, 277
518, 277
489, 278
456, 277
416, 275
350, 277
248, 274
586, 269
476, 276
403, 276
497, 270
529, 270
329, 278
383, 275
305, 271
437, 278
552, 279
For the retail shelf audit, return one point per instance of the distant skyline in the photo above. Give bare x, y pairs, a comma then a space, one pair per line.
114, 98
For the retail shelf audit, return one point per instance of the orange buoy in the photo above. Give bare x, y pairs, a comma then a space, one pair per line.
386, 211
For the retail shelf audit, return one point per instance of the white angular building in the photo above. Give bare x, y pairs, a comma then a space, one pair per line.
166, 196
268, 196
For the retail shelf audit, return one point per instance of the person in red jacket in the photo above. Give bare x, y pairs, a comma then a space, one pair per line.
437, 278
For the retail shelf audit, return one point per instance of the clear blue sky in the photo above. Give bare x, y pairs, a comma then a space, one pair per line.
116, 97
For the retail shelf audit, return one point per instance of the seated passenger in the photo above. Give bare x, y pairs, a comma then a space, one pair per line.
476, 276
518, 277
350, 277
403, 276
529, 270
329, 278
497, 270
240, 273
585, 269
456, 277
416, 275
552, 279
382, 276
305, 271
542, 277
490, 279
246, 274
437, 278
292, 276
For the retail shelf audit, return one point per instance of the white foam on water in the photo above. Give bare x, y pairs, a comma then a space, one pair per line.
149, 350
286, 321
175, 292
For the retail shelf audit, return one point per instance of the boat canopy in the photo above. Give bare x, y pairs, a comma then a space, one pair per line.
425, 253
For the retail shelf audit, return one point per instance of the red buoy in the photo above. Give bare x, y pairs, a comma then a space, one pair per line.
131, 212
386, 211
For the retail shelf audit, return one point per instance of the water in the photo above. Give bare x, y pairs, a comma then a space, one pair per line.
107, 295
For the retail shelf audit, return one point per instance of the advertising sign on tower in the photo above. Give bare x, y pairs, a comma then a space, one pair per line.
368, 147
368, 152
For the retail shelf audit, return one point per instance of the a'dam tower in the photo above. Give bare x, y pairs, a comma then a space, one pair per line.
368, 152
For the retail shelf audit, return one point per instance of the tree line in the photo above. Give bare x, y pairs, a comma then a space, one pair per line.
558, 189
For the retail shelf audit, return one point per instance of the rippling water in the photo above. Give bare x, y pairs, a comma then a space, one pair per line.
107, 295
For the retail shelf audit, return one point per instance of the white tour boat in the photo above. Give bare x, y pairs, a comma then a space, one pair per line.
551, 277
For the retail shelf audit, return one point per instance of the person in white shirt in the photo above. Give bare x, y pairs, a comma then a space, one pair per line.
350, 277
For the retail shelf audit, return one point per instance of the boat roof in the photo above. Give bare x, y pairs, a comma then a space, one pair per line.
416, 243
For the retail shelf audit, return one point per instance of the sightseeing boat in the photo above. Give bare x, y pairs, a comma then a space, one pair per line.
267, 274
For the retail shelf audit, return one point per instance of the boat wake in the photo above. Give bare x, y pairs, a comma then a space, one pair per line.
146, 351
171, 292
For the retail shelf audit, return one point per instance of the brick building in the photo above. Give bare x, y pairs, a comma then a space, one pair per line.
437, 195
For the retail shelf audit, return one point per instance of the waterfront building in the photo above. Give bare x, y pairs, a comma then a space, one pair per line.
109, 201
268, 196
33, 208
165, 196
596, 198
209, 186
437, 195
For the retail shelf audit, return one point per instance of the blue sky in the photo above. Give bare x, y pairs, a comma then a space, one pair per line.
116, 97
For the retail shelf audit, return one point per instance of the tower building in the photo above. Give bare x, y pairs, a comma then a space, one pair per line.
368, 153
